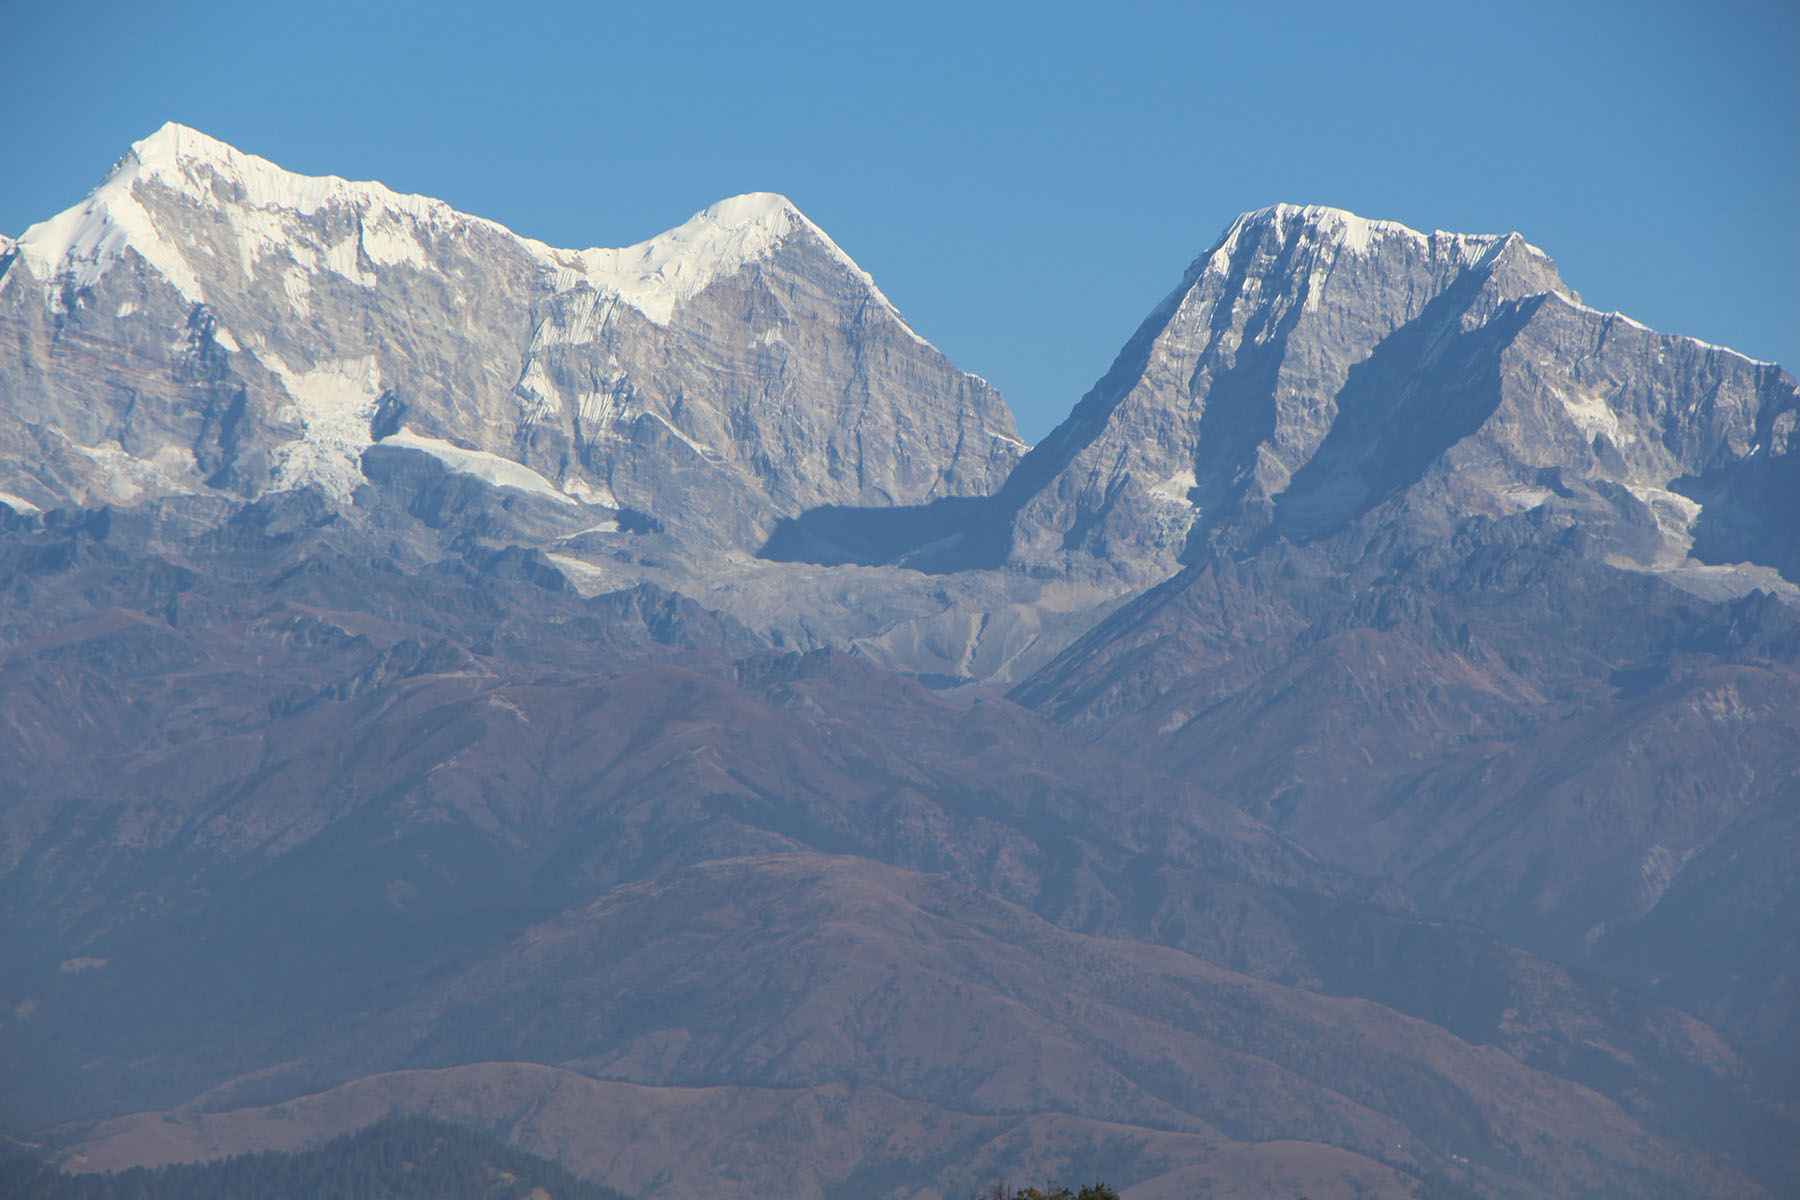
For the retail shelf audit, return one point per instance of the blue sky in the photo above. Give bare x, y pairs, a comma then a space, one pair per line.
1024, 180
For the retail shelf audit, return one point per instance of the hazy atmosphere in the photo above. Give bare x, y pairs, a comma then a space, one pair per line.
1014, 602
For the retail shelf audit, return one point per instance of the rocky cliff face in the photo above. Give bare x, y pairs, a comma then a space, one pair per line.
1314, 365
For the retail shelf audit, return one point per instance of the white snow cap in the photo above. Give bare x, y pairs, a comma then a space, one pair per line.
1357, 234
1354, 232
653, 276
82, 242
260, 198
86, 239
189, 161
1344, 234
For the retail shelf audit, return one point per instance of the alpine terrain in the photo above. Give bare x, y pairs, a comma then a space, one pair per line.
649, 705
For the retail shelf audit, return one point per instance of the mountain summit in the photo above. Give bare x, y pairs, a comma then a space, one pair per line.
261, 199
272, 328
1314, 366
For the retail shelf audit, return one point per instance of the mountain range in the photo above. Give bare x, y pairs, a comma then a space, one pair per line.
649, 704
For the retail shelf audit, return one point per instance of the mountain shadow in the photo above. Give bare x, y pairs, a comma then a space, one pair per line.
1426, 386
955, 533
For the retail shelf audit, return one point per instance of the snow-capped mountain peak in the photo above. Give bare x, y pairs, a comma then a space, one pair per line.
261, 203
270, 317
1353, 232
196, 164
1314, 365
79, 243
1347, 233
257, 198
654, 275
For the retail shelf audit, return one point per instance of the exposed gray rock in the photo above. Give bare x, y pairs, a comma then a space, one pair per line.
1314, 365
206, 320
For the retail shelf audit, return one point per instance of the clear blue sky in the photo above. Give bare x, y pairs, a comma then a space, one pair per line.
1024, 180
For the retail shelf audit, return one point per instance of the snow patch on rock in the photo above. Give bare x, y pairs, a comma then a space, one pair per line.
123, 476
705, 452
1675, 515
1175, 488
584, 576
333, 402
491, 469
592, 494
1591, 414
